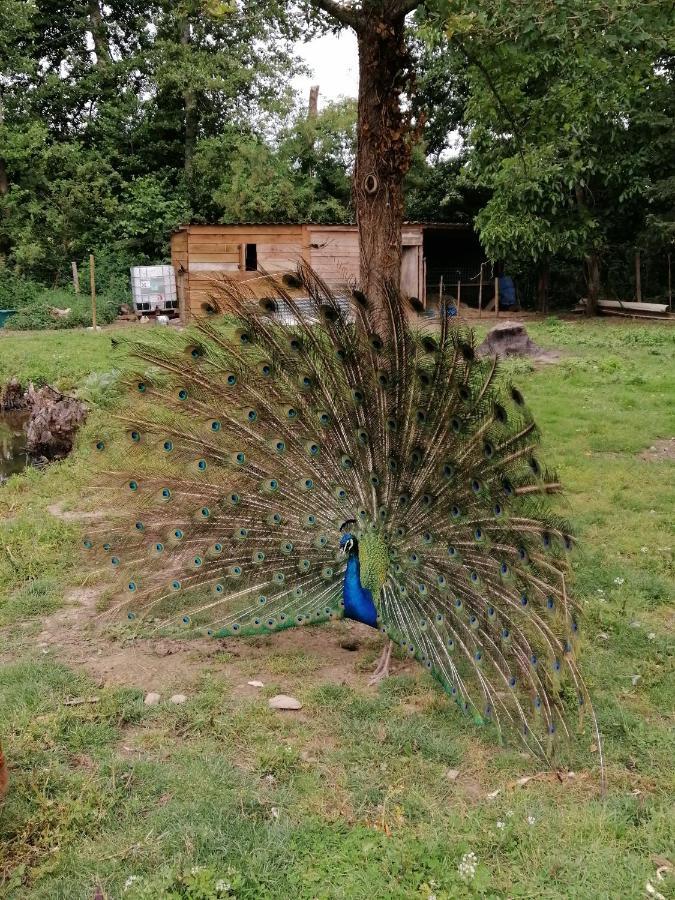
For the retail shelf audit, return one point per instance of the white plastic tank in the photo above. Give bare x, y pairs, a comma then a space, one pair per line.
153, 289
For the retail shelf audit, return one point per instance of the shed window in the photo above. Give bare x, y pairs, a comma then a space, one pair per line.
251, 258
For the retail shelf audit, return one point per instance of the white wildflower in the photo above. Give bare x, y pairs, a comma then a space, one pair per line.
644, 549
509, 813
275, 812
222, 886
619, 581
130, 880
500, 825
432, 897
467, 866
651, 636
531, 820
600, 591
195, 870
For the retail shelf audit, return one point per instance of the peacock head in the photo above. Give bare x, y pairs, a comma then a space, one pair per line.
349, 544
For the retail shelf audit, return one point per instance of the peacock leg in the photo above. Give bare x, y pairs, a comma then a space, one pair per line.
382, 669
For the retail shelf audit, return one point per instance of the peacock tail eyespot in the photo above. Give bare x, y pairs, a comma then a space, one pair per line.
568, 542
100, 445
504, 569
534, 466
115, 560
235, 571
500, 414
450, 644
231, 379
428, 537
218, 588
310, 520
258, 557
280, 446
197, 561
240, 458
262, 599
362, 437
178, 534
133, 485
392, 424
235, 499
374, 479
551, 728
420, 416
478, 534
488, 450
327, 573
305, 382
474, 577
265, 370
217, 549
215, 425
295, 344
235, 626
491, 612
452, 551
141, 387
550, 603
324, 419
182, 394
87, 544
429, 345
517, 397
252, 415
291, 413
166, 493
464, 393
107, 547
546, 540
175, 585
507, 487
312, 448
522, 553
455, 512
307, 484
287, 547
512, 681
201, 465
131, 587
347, 463
556, 665
456, 424
497, 509
241, 534
159, 548
167, 446
131, 616
442, 581
376, 342
523, 600
424, 379
278, 578
476, 486
357, 395
274, 519
458, 603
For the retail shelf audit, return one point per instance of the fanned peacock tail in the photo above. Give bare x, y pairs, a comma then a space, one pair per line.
252, 442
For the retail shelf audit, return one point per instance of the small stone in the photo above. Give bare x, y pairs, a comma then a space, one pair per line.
177, 699
255, 683
635, 678
452, 774
282, 701
152, 699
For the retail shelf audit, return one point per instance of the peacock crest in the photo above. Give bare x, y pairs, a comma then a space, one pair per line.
306, 457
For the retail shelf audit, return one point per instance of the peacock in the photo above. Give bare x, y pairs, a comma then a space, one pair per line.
299, 455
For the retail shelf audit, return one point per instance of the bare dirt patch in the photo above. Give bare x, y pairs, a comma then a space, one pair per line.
662, 449
79, 638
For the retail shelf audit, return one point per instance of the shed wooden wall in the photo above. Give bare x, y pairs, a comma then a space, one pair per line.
201, 254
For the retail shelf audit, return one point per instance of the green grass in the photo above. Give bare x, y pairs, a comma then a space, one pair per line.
351, 799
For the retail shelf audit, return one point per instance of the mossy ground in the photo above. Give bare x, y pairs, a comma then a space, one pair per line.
351, 798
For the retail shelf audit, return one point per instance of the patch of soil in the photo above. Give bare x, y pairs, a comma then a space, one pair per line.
511, 339
659, 450
79, 638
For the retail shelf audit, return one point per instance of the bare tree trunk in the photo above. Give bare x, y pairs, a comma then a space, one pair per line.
383, 151
189, 106
99, 34
592, 271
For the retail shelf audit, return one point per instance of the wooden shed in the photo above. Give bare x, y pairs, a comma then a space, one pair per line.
201, 254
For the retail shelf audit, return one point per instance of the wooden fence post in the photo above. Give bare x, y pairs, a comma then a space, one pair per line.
92, 288
638, 278
480, 293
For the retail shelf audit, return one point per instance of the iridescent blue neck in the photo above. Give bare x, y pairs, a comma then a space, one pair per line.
357, 599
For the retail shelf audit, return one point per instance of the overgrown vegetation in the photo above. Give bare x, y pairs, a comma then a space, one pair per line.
356, 796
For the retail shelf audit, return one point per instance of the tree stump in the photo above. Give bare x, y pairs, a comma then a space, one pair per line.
511, 339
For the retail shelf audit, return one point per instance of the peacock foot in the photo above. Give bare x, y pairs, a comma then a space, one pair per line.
382, 669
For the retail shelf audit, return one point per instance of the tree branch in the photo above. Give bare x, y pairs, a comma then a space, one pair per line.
407, 6
346, 15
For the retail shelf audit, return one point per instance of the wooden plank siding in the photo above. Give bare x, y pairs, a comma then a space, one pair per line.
202, 254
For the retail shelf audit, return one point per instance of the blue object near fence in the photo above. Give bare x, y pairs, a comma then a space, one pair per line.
507, 291
4, 315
